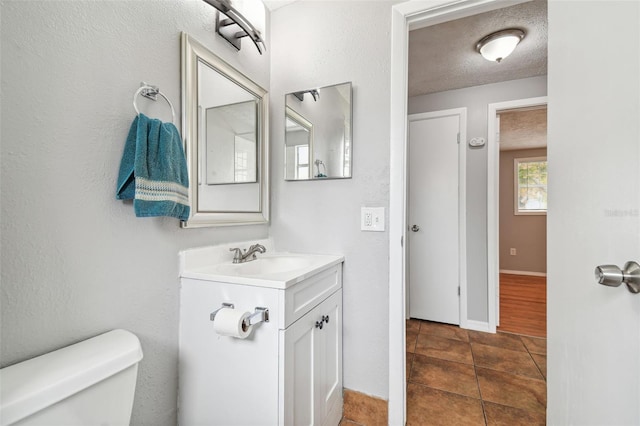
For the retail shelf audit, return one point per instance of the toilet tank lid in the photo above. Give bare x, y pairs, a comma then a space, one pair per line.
32, 385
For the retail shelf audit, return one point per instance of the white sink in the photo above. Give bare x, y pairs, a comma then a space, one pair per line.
276, 270
265, 265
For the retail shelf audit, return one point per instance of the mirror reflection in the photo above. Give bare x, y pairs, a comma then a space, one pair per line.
318, 133
226, 142
230, 143
298, 145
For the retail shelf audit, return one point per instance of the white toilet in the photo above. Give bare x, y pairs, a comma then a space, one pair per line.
89, 383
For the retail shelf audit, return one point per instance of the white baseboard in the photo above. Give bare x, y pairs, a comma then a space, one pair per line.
477, 326
531, 274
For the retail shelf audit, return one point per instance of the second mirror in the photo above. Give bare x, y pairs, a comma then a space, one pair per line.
318, 134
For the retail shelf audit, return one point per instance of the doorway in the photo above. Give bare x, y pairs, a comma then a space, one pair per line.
517, 186
495, 141
410, 16
592, 207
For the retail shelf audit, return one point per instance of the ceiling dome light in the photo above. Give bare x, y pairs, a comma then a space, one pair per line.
499, 45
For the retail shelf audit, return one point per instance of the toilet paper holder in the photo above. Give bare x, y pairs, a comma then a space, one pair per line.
259, 314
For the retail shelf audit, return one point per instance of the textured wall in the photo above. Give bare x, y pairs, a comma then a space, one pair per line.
315, 45
526, 233
76, 262
476, 100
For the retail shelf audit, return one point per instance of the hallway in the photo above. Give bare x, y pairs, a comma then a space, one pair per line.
461, 377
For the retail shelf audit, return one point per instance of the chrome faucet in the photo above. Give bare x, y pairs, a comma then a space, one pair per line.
248, 255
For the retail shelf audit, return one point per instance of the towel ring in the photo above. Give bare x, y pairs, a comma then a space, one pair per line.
149, 91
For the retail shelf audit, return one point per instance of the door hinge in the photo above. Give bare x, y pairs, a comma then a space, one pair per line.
458, 138
402, 241
458, 290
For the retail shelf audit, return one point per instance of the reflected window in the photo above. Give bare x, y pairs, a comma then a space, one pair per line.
346, 161
302, 161
241, 166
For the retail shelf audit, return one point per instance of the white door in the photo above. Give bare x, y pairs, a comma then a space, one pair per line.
594, 213
434, 248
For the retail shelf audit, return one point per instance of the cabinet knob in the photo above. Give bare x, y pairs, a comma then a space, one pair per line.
325, 318
319, 324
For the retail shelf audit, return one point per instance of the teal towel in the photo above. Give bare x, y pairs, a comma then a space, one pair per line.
153, 170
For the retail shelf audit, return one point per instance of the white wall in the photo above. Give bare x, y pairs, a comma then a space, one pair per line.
476, 100
76, 262
316, 45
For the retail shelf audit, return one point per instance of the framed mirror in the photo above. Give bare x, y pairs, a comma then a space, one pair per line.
318, 133
224, 122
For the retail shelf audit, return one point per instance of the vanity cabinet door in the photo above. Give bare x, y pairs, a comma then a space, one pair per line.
297, 367
312, 366
329, 362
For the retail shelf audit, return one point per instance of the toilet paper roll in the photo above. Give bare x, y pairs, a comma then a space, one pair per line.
232, 322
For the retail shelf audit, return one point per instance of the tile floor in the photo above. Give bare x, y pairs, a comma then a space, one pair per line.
460, 377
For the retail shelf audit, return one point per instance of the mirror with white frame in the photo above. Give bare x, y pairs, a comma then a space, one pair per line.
224, 124
318, 133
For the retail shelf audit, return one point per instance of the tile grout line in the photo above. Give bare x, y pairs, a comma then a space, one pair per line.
534, 360
475, 371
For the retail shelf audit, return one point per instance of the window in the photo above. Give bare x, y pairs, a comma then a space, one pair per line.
302, 161
241, 166
530, 185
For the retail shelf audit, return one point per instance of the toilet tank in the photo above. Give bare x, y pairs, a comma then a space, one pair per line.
88, 383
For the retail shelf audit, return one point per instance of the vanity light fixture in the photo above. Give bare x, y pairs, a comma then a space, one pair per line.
497, 46
314, 92
234, 26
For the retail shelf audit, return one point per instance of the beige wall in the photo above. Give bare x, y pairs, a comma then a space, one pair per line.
527, 234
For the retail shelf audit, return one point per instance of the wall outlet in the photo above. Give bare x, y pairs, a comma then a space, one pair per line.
372, 219
368, 219
512, 251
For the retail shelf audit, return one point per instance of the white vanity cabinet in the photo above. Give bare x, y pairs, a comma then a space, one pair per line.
287, 372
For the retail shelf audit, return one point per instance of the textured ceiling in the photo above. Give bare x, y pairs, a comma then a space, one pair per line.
523, 129
443, 56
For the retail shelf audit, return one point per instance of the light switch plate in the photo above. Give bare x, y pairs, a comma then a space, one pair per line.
372, 219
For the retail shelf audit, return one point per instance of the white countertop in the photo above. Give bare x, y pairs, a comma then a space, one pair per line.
297, 267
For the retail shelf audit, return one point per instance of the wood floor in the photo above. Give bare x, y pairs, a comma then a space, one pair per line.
523, 305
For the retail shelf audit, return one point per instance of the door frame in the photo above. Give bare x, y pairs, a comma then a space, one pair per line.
461, 113
405, 16
493, 201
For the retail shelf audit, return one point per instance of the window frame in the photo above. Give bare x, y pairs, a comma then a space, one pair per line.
516, 186
298, 164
